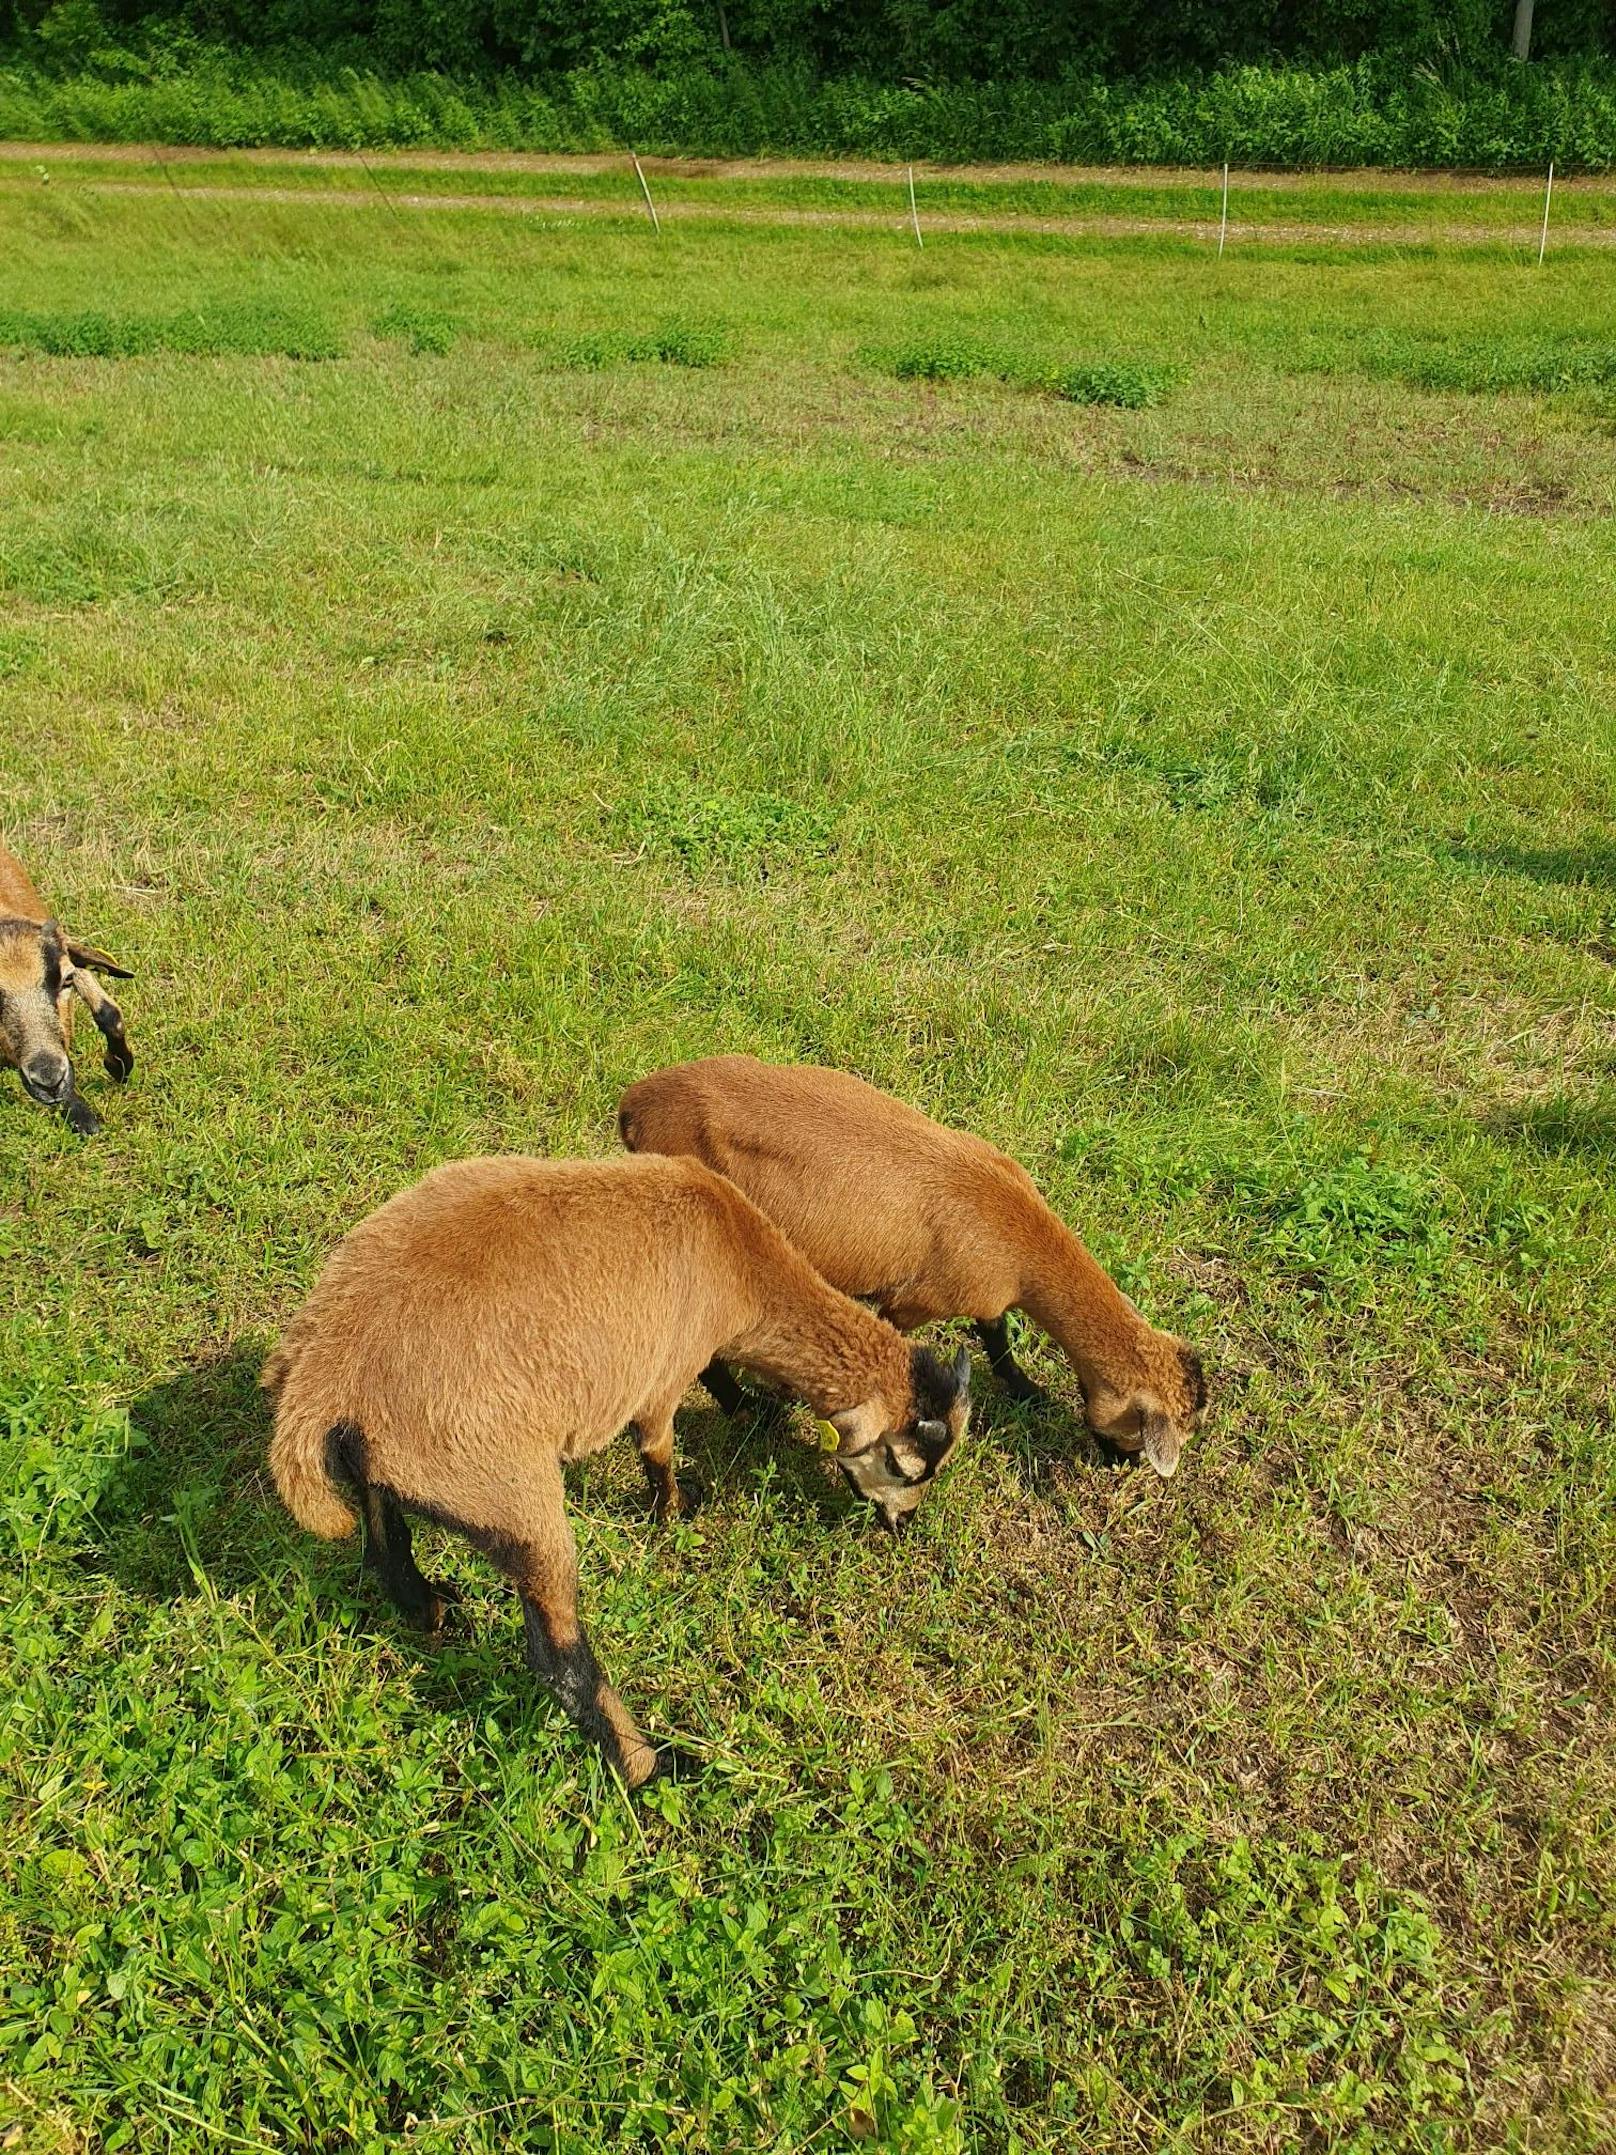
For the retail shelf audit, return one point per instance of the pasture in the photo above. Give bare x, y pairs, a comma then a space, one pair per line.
464, 660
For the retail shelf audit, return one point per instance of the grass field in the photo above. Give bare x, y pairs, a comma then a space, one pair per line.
596, 650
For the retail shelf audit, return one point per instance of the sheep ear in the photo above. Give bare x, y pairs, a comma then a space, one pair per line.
857, 1427
960, 1371
96, 960
1161, 1442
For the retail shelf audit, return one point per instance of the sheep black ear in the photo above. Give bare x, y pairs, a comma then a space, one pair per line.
960, 1371
97, 960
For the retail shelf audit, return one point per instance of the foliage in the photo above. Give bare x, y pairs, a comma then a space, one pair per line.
1122, 382
1484, 366
423, 329
230, 326
732, 833
1369, 112
676, 344
1127, 383
887, 40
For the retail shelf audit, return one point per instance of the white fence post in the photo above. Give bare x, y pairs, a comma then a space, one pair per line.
1548, 197
644, 190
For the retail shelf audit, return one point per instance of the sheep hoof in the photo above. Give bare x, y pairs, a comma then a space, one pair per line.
119, 1063
1114, 1454
673, 1763
691, 1495
441, 1597
82, 1119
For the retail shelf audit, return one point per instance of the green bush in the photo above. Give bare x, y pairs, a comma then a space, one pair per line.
1484, 366
1112, 381
946, 361
1371, 112
1125, 382
423, 329
677, 345
240, 326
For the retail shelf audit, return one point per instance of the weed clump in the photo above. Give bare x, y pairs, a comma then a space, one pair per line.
423, 329
1128, 383
1486, 366
679, 344
945, 361
244, 327
730, 832
1124, 383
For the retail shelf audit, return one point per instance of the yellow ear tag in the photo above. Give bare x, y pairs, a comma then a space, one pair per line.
829, 1440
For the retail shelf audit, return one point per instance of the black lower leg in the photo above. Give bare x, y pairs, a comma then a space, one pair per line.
390, 1554
563, 1659
720, 1381
80, 1117
120, 1058
995, 1337
570, 1671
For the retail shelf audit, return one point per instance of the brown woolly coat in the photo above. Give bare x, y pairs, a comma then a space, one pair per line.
19, 900
924, 1221
506, 1313
506, 1316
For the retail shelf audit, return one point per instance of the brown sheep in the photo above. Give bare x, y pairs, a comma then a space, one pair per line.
926, 1223
42, 968
505, 1317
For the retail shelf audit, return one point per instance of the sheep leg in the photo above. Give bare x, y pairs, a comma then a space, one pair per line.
546, 1577
391, 1555
653, 1434
720, 1381
995, 1337
120, 1058
80, 1117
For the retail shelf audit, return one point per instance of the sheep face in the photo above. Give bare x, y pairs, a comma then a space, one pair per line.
36, 1016
1155, 1417
893, 1467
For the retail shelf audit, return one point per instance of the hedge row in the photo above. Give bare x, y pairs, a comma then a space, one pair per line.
1508, 119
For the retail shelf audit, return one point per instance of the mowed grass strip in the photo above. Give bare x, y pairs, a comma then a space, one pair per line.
1351, 204
1212, 803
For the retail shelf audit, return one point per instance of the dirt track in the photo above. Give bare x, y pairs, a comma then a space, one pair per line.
1367, 181
710, 213
1368, 232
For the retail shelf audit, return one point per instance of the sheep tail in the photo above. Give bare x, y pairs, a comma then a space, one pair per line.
304, 1451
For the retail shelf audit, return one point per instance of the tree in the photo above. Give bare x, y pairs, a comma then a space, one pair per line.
1521, 43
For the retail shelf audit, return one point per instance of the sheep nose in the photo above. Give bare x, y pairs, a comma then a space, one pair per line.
48, 1077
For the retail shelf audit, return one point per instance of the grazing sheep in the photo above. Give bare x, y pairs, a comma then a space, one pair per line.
41, 969
507, 1316
926, 1223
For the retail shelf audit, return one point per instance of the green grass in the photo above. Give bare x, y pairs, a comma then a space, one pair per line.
1122, 382
1406, 209
1211, 802
235, 326
677, 344
423, 329
1111, 381
1487, 365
